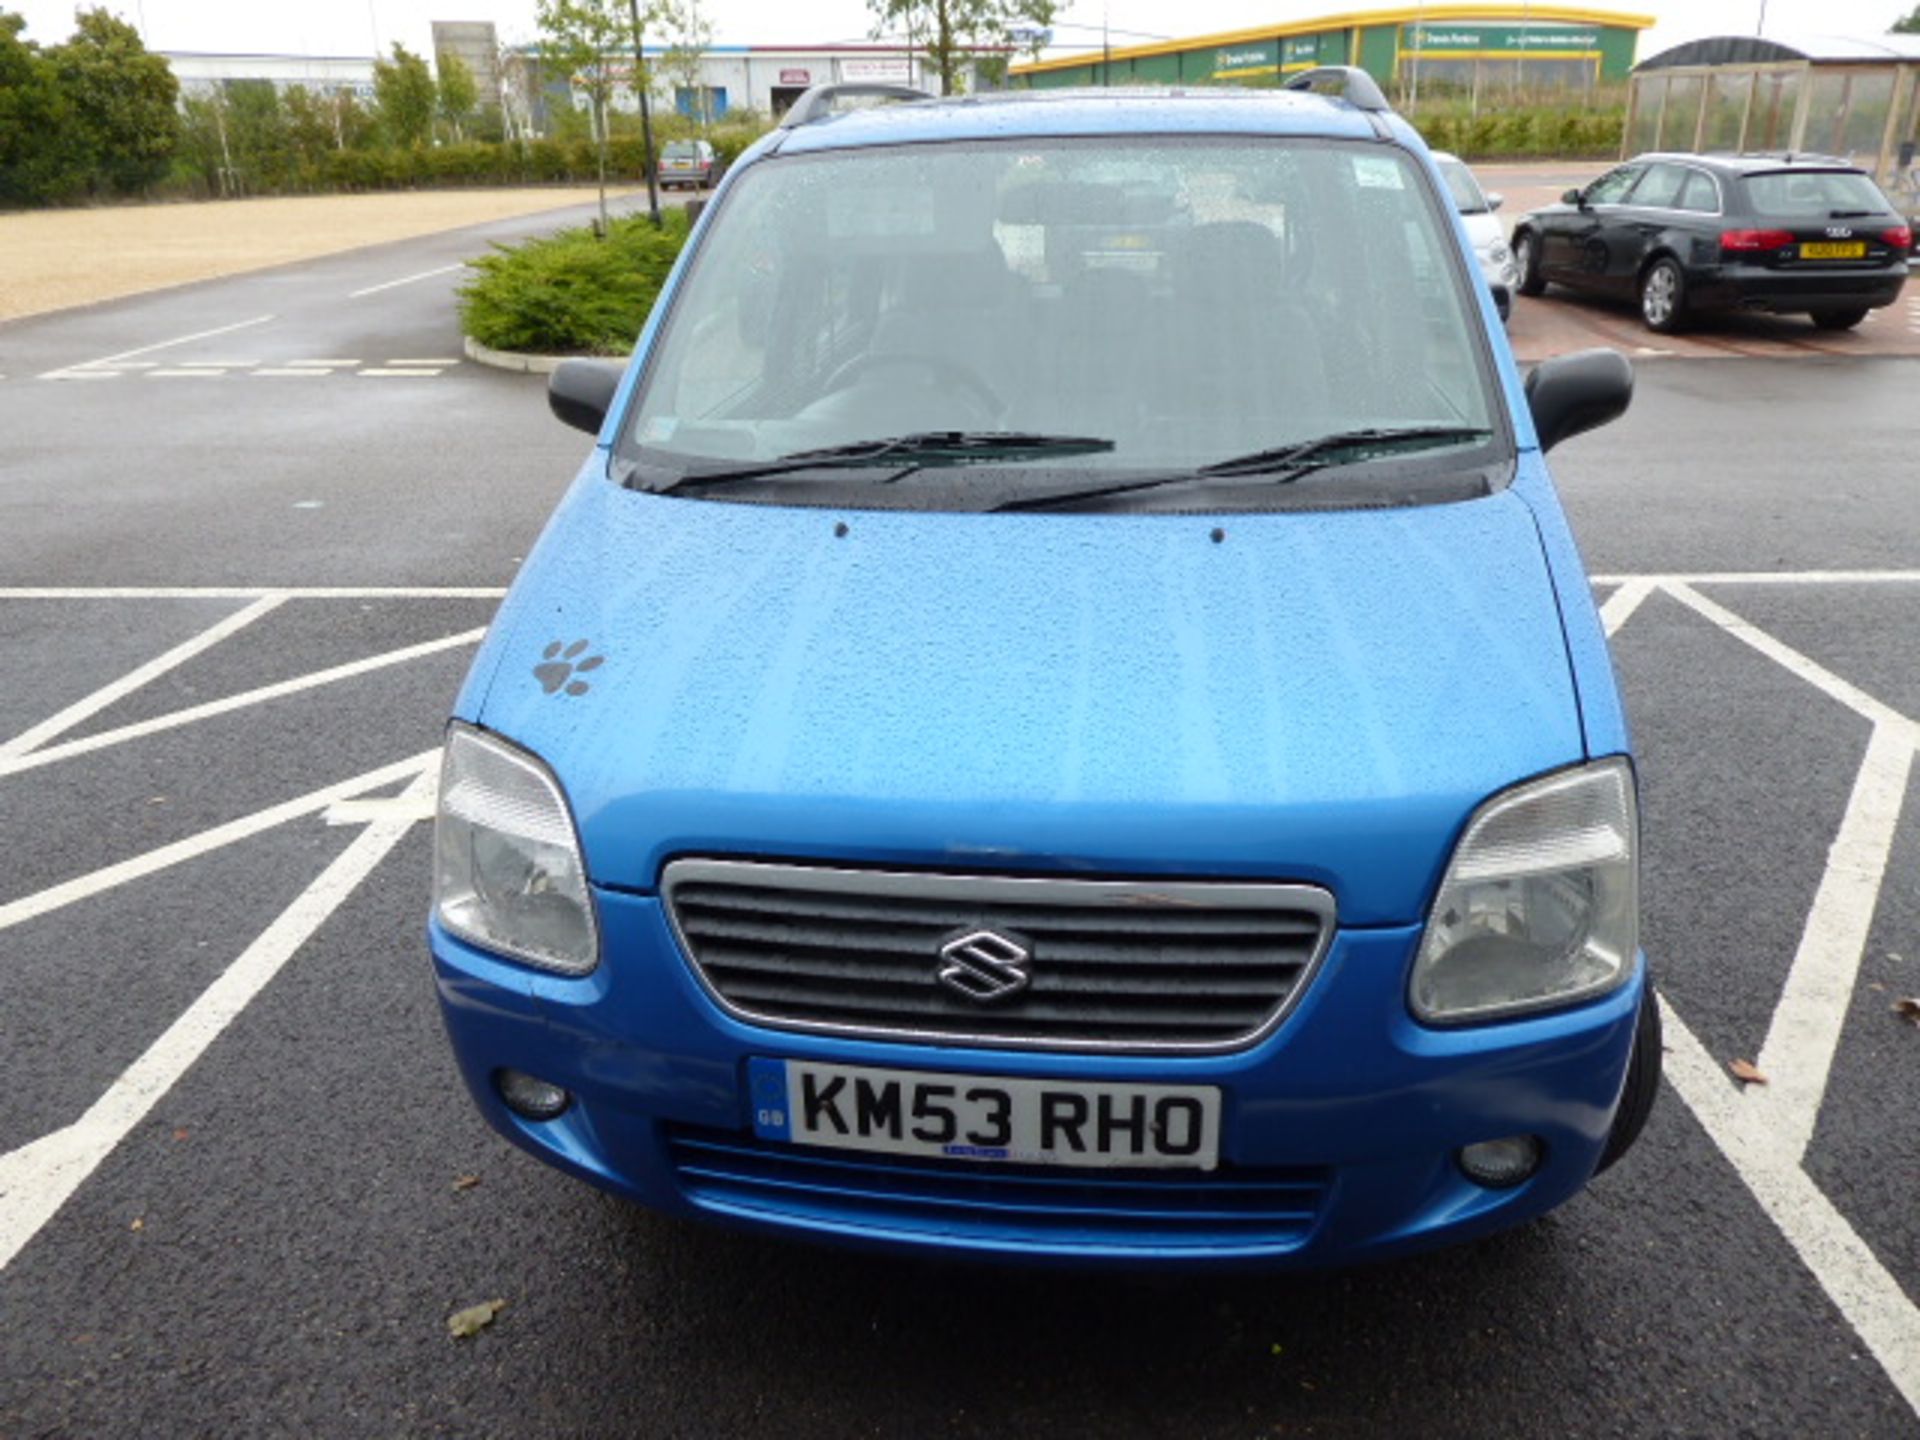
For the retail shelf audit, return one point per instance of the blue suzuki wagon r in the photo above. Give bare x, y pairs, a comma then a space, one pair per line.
1061, 717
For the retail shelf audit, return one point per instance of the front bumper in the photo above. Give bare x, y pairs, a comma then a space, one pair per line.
1348, 1117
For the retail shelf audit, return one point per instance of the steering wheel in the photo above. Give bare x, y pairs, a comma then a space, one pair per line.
940, 365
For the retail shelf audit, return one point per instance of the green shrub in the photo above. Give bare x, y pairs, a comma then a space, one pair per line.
1561, 130
572, 293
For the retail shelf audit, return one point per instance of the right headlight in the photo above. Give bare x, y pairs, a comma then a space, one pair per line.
508, 874
1540, 905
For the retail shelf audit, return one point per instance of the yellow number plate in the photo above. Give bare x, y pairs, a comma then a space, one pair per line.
1841, 250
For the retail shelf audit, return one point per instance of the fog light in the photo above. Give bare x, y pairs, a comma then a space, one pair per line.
530, 1096
1499, 1164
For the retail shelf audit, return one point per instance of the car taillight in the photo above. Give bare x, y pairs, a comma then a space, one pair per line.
1900, 237
1750, 241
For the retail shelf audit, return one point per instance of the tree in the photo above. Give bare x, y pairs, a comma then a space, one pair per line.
38, 157
578, 39
1908, 24
124, 101
404, 94
459, 94
310, 127
259, 138
690, 34
957, 30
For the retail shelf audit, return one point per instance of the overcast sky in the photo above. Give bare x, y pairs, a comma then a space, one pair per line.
357, 27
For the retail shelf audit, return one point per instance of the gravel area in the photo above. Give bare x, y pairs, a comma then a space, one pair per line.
59, 258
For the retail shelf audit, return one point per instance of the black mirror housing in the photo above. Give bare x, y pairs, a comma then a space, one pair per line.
1573, 197
1576, 393
580, 392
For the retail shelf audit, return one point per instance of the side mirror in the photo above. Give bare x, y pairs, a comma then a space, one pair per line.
1576, 393
1495, 199
1575, 196
581, 392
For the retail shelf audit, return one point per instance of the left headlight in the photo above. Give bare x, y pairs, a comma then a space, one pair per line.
507, 873
1540, 905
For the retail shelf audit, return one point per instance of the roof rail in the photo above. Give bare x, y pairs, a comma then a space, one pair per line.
1356, 86
818, 101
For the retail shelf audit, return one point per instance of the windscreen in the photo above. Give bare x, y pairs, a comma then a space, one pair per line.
1815, 195
1467, 196
1184, 300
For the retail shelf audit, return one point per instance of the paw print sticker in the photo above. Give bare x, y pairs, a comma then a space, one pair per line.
561, 665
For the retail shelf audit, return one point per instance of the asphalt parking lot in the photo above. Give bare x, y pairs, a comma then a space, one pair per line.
243, 563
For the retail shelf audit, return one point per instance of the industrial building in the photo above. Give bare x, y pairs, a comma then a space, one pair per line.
1472, 48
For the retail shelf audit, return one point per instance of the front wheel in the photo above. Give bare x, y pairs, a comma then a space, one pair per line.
1526, 259
1663, 297
1643, 1083
1838, 319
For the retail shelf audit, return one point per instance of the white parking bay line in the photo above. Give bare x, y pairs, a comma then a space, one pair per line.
289, 370
173, 719
442, 361
380, 373
38, 735
37, 1179
1763, 1135
251, 592
1827, 1244
186, 374
124, 872
1804, 1036
406, 280
164, 344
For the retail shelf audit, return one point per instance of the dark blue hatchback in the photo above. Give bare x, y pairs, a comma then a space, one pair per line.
1061, 717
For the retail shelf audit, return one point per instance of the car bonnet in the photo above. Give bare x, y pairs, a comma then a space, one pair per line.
1318, 696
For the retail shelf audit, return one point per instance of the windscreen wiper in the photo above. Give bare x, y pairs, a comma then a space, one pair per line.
1292, 461
925, 447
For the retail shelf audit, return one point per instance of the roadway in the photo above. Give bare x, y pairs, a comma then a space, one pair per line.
243, 564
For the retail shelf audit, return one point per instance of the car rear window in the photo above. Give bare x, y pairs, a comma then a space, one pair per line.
682, 150
1814, 194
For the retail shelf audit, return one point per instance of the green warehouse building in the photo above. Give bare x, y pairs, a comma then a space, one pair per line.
1468, 48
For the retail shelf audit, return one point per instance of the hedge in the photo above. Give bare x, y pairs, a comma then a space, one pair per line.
572, 292
1536, 132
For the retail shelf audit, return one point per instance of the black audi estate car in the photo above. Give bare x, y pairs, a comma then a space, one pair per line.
1685, 234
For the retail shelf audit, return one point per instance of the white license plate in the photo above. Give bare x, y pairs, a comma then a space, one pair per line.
986, 1117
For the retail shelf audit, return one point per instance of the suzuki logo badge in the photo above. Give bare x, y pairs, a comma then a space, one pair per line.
984, 966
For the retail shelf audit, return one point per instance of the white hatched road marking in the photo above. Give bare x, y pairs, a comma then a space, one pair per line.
37, 1179
33, 738
111, 877
1764, 1130
53, 754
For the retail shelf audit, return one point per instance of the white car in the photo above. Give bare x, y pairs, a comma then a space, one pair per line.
1476, 208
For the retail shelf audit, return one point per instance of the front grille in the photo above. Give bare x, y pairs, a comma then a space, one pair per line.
1005, 1206
1110, 965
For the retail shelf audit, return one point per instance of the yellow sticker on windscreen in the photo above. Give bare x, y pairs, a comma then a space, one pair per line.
1377, 172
